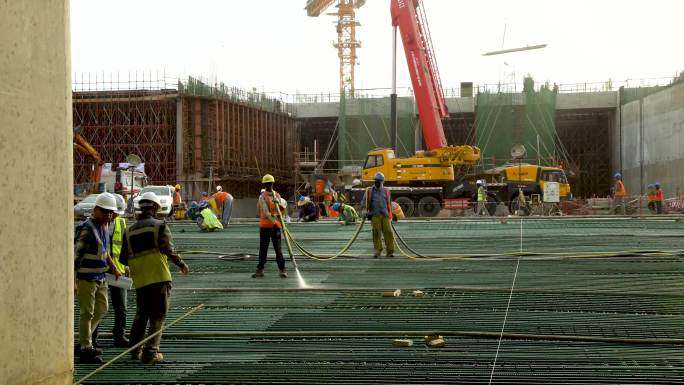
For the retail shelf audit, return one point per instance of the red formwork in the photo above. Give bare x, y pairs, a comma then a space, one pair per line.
118, 123
233, 144
224, 141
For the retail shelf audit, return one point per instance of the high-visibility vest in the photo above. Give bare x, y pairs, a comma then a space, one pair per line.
620, 189
397, 211
117, 241
209, 220
651, 195
658, 196
268, 211
146, 263
481, 194
369, 196
94, 261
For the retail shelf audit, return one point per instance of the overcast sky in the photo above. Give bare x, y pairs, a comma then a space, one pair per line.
272, 45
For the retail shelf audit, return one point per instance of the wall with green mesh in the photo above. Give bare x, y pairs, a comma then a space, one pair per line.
506, 118
365, 125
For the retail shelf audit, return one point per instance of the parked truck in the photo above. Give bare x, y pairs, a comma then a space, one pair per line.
442, 175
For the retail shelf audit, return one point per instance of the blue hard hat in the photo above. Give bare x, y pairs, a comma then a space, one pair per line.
618, 175
204, 193
193, 205
657, 184
379, 176
336, 206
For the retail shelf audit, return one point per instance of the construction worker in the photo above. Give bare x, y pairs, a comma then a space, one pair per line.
146, 249
92, 259
619, 194
271, 207
347, 213
308, 212
650, 191
205, 196
207, 220
117, 294
177, 199
481, 198
224, 205
378, 206
659, 198
397, 212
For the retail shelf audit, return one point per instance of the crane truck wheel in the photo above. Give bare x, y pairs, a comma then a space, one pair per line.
429, 206
407, 206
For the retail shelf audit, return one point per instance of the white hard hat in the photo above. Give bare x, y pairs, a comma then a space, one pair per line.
120, 204
106, 201
219, 188
150, 197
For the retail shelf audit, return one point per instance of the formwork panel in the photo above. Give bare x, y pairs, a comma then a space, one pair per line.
233, 144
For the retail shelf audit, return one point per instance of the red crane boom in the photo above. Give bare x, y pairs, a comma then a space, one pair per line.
409, 16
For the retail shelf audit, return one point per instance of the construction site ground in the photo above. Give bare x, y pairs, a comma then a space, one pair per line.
595, 300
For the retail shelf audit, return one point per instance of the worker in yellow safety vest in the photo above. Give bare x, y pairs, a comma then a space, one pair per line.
118, 295
481, 198
271, 206
147, 247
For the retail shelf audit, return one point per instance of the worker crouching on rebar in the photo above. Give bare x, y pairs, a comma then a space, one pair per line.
347, 213
224, 205
146, 248
378, 206
308, 212
270, 223
206, 219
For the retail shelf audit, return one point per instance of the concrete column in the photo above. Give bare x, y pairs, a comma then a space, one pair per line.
36, 226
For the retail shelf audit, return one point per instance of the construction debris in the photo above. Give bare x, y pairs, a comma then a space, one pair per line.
402, 343
395, 293
434, 341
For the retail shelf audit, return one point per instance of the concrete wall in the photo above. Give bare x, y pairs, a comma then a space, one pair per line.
36, 228
659, 120
565, 101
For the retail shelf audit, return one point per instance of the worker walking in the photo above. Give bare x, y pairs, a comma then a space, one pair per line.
659, 198
118, 295
619, 194
378, 206
481, 198
224, 205
92, 259
270, 206
146, 248
347, 213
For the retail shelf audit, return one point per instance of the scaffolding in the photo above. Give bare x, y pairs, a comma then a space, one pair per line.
186, 130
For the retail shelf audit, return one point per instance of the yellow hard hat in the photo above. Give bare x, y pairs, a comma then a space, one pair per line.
268, 178
178, 187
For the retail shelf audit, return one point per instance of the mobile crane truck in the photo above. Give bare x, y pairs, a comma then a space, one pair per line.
442, 175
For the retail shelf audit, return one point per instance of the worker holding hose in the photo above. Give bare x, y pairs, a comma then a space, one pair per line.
378, 206
270, 225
